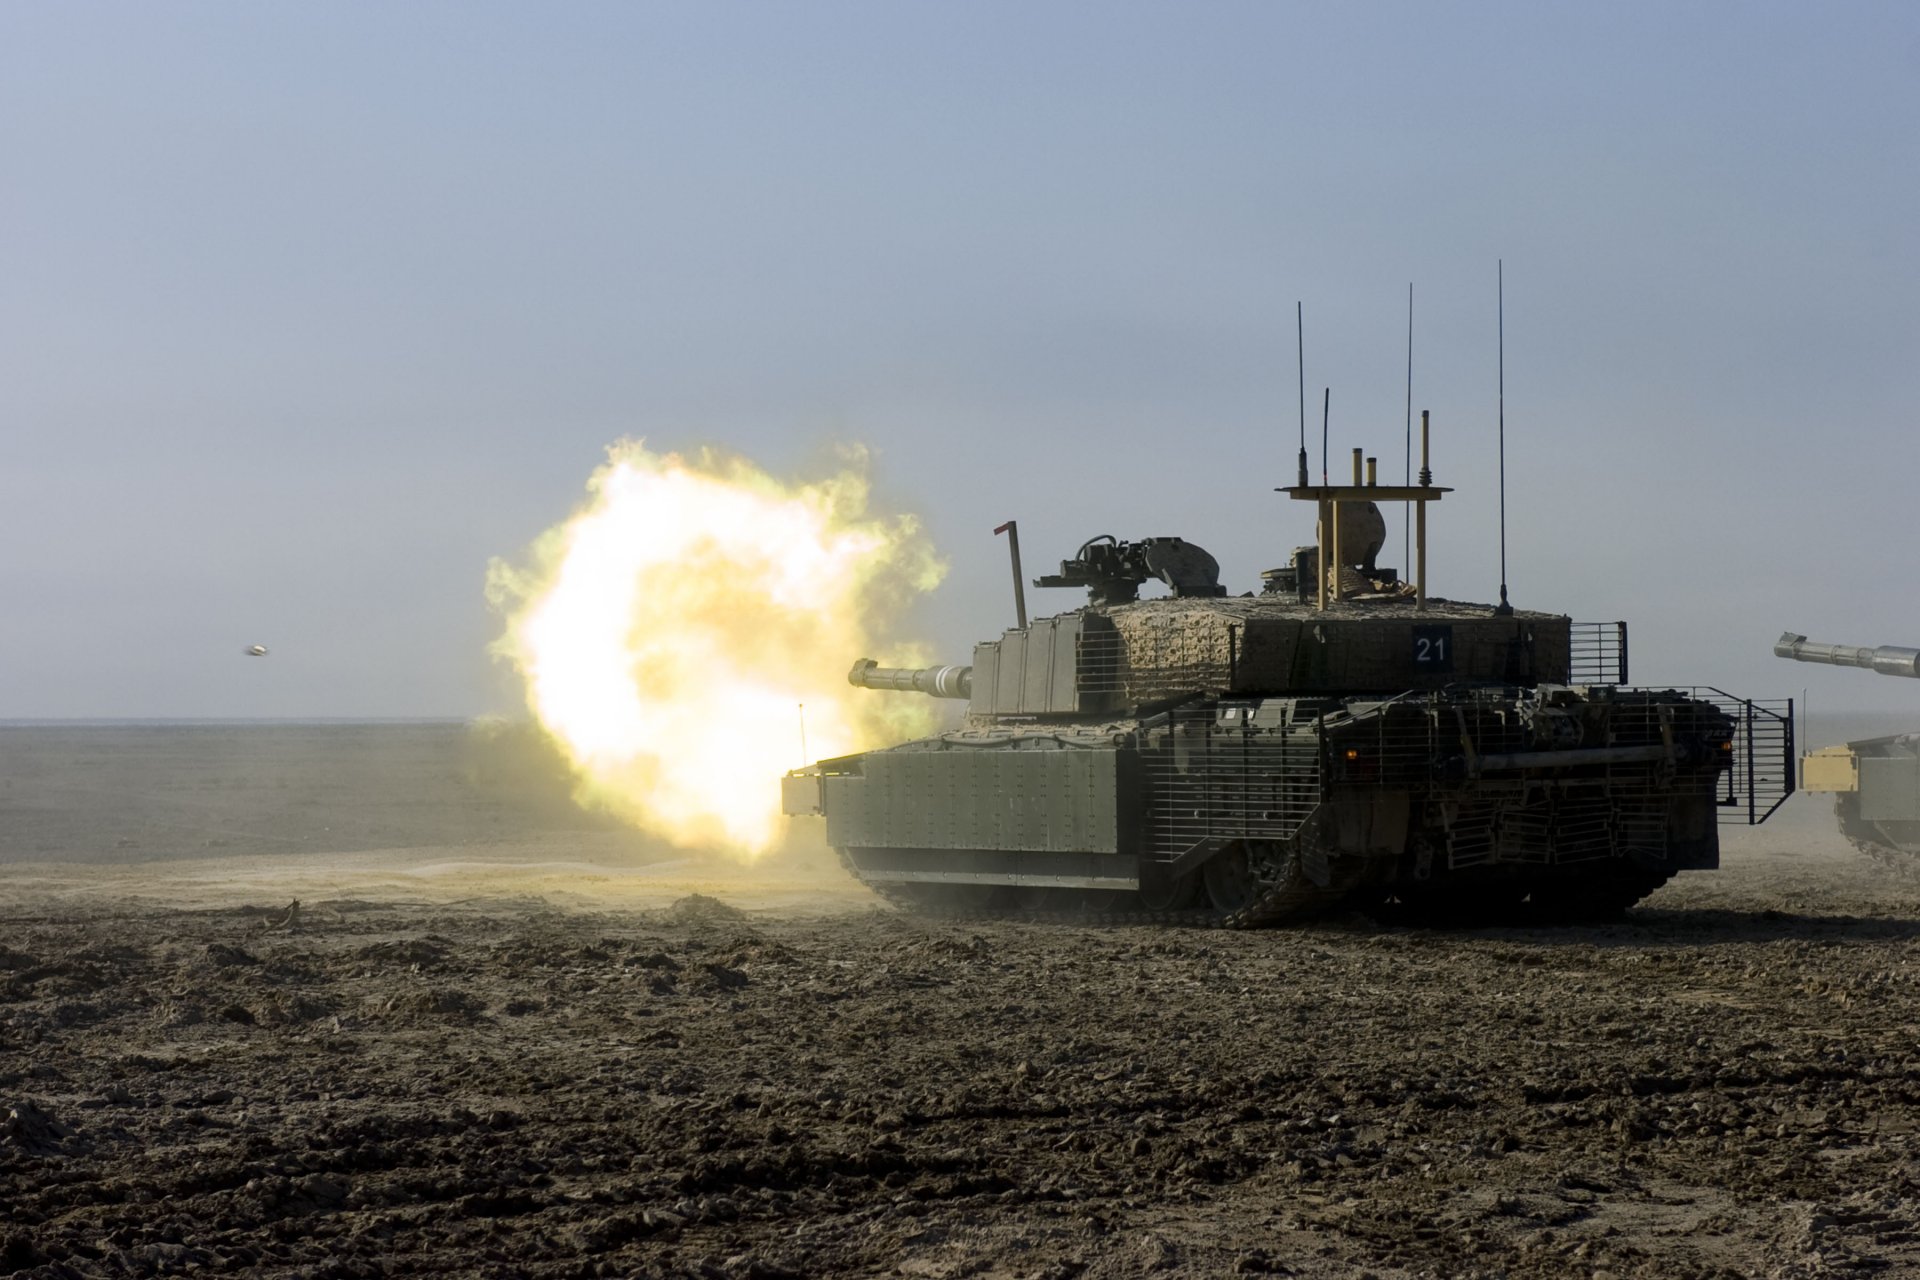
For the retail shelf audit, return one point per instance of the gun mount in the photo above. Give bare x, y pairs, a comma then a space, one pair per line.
1112, 571
1888, 659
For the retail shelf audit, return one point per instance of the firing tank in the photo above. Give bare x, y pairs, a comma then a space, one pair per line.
1875, 782
1338, 738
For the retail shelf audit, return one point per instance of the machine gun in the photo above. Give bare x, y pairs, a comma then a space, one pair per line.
1112, 571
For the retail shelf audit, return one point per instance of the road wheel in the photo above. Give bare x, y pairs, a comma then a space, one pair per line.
1168, 895
1106, 902
1232, 884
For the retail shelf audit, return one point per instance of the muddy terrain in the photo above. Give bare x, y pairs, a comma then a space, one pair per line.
550, 1069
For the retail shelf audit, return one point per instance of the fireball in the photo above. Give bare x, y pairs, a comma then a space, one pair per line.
669, 631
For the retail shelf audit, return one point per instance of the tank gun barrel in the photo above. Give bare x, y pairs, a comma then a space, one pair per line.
935, 682
1888, 659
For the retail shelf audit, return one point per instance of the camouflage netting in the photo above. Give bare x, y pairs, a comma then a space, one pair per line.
1167, 648
1165, 652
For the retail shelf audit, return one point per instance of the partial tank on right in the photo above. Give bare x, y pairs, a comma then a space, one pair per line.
1875, 782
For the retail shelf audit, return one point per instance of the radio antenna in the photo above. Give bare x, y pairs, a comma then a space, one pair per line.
1300, 334
1503, 608
1326, 404
1406, 508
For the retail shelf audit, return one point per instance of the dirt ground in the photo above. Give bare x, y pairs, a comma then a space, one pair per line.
539, 1046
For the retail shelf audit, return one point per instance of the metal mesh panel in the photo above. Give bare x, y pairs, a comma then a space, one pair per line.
1584, 829
1762, 776
1215, 776
1421, 737
1598, 653
1641, 824
1470, 837
1520, 777
1526, 834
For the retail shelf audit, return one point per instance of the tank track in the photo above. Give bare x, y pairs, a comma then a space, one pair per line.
1889, 857
1869, 839
1585, 895
1290, 899
1287, 901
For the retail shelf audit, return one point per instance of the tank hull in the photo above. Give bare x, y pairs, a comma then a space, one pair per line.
1260, 810
1876, 786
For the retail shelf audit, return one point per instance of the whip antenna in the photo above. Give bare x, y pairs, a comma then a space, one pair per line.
804, 757
1300, 334
1501, 311
1326, 403
1406, 508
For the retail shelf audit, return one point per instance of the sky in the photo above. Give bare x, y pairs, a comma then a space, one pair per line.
309, 311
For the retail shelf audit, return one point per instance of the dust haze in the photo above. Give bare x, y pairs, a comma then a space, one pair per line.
213, 815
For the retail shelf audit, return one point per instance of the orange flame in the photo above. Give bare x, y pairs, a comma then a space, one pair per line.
668, 631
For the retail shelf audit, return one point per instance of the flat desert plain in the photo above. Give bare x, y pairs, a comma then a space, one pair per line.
502, 1037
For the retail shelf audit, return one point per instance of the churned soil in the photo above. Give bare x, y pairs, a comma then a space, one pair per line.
1726, 1084
503, 1038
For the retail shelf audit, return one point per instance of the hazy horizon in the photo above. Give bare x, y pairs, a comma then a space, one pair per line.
315, 310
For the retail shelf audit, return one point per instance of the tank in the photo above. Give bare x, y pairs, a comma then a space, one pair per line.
1875, 782
1337, 739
